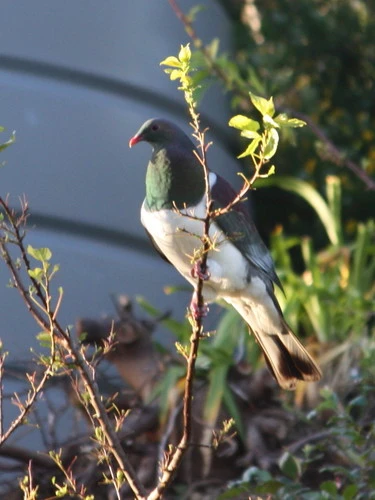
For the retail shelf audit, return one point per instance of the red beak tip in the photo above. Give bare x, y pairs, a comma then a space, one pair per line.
134, 140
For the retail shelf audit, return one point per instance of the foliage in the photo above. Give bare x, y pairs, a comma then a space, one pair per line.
330, 301
7, 143
332, 298
305, 58
336, 463
263, 139
64, 357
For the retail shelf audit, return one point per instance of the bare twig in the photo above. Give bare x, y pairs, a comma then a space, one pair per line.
26, 456
49, 323
297, 445
335, 155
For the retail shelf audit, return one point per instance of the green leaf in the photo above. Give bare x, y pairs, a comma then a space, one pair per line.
166, 387
269, 122
192, 14
358, 401
330, 487
271, 170
290, 465
270, 147
235, 492
220, 353
269, 488
44, 339
61, 491
333, 188
244, 123
231, 406
10, 141
350, 492
249, 134
41, 254
230, 321
257, 475
217, 380
284, 121
185, 54
37, 273
295, 123
175, 74
213, 48
264, 106
362, 275
313, 198
171, 61
250, 148
181, 330
82, 337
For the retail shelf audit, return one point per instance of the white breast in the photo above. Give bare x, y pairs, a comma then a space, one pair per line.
178, 236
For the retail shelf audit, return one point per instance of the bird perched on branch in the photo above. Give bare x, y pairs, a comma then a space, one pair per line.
240, 269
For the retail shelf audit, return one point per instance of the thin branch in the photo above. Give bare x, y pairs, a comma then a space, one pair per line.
49, 323
336, 156
297, 445
25, 456
101, 417
27, 405
16, 223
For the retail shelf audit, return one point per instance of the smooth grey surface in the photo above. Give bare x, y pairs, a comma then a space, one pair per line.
121, 39
77, 79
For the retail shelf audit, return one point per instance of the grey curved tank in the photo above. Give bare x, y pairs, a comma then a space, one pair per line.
77, 79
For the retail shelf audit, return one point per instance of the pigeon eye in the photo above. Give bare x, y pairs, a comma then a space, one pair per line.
155, 127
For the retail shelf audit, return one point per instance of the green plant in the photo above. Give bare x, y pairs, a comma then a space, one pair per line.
336, 463
66, 358
330, 301
7, 143
303, 57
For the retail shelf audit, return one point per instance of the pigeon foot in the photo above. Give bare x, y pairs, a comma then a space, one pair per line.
198, 272
197, 311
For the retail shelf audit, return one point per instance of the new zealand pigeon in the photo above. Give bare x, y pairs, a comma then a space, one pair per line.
240, 268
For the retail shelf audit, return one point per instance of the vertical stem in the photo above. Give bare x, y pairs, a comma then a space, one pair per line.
2, 359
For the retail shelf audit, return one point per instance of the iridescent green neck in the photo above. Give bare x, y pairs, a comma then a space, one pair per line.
173, 179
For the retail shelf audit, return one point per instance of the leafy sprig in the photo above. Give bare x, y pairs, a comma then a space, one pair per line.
264, 135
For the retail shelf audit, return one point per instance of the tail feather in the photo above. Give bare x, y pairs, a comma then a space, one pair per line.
286, 357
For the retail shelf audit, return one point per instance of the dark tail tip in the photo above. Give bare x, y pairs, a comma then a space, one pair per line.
292, 366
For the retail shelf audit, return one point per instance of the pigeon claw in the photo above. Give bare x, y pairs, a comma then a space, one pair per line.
199, 272
198, 311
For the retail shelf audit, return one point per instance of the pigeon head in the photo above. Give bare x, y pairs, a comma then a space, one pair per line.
174, 176
160, 133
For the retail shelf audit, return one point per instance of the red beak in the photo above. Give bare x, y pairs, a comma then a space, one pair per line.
134, 140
